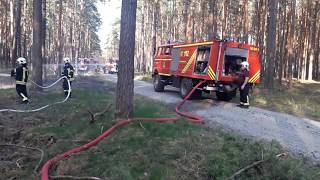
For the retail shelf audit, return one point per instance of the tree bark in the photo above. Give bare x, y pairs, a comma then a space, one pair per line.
291, 42
125, 84
36, 46
246, 21
43, 37
271, 42
17, 41
60, 40
12, 34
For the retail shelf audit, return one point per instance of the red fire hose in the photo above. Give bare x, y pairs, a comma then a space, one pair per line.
192, 118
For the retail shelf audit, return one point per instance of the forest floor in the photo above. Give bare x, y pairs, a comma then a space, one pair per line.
138, 151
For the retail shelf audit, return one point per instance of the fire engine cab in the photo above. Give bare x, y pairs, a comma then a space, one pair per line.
218, 62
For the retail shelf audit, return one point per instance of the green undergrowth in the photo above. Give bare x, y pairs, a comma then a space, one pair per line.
146, 150
303, 99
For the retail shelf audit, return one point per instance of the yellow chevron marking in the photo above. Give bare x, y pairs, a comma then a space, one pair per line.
192, 58
210, 69
195, 44
254, 76
210, 75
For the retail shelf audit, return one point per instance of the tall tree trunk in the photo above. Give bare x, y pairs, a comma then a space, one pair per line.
60, 40
125, 84
17, 40
186, 4
263, 4
212, 20
43, 37
246, 21
190, 23
282, 38
271, 42
36, 46
313, 35
12, 34
291, 42
317, 54
154, 33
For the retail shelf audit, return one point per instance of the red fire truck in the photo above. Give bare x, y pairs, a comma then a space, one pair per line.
218, 62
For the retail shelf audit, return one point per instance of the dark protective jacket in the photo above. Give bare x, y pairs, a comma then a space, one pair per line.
21, 74
68, 71
242, 76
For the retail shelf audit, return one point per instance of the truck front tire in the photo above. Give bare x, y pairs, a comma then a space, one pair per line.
157, 83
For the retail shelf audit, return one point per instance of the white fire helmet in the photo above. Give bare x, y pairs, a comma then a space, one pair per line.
245, 64
66, 60
22, 60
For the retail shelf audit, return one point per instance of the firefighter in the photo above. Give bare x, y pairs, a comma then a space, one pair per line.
68, 71
21, 74
244, 86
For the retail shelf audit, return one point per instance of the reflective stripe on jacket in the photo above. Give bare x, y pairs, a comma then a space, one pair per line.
22, 74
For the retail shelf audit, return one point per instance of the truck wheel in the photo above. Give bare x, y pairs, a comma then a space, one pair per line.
224, 96
185, 88
157, 84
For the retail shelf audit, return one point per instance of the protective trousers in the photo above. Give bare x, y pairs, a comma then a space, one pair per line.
244, 96
22, 92
65, 87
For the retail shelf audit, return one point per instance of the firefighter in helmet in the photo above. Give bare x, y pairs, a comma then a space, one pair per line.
68, 71
244, 85
21, 74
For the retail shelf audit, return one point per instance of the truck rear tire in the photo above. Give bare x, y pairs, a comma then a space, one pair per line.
185, 88
157, 83
224, 96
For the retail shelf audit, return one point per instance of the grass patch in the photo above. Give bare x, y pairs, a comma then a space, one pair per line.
149, 151
144, 77
302, 99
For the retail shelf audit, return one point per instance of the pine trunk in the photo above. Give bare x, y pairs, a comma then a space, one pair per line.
125, 84
271, 42
36, 46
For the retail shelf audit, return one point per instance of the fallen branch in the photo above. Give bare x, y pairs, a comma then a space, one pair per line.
252, 165
31, 148
18, 163
142, 126
101, 129
94, 115
246, 168
75, 178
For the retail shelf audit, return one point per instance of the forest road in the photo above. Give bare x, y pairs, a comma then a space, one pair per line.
300, 136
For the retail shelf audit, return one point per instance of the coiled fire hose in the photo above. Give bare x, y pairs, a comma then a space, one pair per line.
191, 118
46, 106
